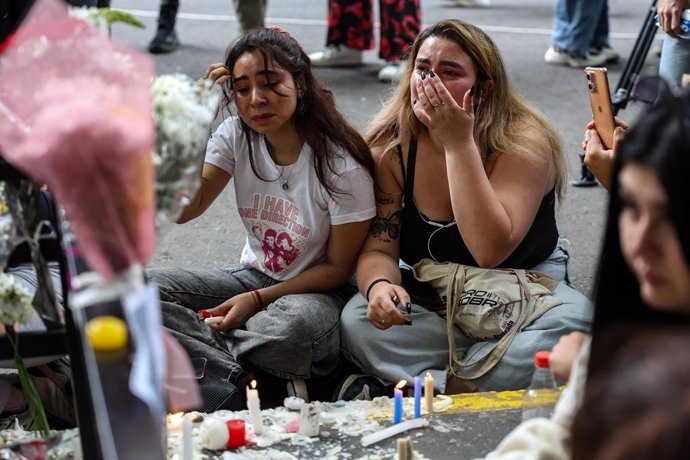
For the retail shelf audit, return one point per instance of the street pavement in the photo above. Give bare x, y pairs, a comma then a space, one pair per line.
520, 28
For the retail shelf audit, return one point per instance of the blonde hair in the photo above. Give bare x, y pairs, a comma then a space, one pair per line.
505, 122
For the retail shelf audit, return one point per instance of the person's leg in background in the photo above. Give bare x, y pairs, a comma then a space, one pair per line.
575, 23
401, 21
350, 31
675, 59
165, 40
250, 14
600, 41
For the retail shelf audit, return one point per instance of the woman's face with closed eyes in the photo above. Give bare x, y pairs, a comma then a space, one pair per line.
650, 242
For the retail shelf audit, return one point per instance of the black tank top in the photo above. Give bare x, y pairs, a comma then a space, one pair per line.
422, 238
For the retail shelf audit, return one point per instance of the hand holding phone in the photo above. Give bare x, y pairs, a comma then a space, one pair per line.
600, 99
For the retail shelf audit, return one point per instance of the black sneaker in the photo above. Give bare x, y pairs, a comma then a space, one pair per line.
165, 41
362, 387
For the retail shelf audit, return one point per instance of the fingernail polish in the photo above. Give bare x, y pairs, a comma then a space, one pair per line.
431, 72
407, 322
408, 305
423, 75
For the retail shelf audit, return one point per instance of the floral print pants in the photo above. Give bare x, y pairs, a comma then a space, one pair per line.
351, 23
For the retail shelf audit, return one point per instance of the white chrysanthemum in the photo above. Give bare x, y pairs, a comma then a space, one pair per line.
183, 111
15, 301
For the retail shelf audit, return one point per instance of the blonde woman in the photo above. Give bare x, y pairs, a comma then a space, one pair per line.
466, 172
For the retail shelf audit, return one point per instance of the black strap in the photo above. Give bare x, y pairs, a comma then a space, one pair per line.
408, 180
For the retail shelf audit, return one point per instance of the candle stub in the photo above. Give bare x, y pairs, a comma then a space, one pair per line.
404, 446
309, 420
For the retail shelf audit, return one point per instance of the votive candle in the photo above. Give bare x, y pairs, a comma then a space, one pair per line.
398, 402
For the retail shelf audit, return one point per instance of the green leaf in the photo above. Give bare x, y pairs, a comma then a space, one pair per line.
111, 16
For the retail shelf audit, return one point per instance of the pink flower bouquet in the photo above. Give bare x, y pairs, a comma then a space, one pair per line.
75, 114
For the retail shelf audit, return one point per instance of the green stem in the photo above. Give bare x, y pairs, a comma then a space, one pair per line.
40, 421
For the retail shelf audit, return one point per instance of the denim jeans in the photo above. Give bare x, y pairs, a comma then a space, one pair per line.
675, 59
402, 352
581, 24
296, 336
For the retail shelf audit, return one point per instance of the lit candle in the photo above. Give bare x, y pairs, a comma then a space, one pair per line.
398, 402
417, 397
429, 393
187, 440
254, 406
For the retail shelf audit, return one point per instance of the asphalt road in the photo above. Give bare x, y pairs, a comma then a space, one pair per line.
521, 30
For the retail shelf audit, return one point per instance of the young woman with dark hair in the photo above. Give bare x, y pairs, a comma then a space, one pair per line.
301, 171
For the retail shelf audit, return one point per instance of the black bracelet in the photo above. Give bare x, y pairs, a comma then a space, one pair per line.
371, 285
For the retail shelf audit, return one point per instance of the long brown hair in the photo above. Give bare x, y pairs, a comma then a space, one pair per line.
317, 119
501, 124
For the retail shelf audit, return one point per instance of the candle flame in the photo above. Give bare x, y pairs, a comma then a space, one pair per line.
253, 384
401, 384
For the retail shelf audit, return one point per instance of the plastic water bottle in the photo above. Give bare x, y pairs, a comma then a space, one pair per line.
541, 395
684, 24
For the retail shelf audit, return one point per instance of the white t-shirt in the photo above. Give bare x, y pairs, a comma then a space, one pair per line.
288, 229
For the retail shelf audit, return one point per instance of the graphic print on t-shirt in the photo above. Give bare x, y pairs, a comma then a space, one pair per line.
275, 230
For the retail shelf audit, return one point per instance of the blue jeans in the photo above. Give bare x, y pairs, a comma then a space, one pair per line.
675, 59
296, 336
581, 24
402, 352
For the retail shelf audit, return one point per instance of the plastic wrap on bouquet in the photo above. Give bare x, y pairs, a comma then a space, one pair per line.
75, 114
183, 111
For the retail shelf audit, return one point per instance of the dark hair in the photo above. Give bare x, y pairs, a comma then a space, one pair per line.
317, 119
660, 139
639, 406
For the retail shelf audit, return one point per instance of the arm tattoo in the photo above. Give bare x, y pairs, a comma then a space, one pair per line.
386, 228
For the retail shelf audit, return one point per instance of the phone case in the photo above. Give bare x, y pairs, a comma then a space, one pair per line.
602, 108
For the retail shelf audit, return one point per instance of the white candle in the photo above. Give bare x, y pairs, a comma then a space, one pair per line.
392, 430
187, 440
254, 406
213, 434
429, 393
309, 420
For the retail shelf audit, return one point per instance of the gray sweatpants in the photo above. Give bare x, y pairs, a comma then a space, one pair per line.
297, 336
402, 352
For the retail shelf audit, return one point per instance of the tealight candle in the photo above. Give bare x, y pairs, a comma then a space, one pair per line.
398, 402
417, 397
254, 406
429, 393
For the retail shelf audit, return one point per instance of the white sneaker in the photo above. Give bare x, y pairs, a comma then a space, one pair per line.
472, 3
560, 57
336, 56
393, 71
609, 53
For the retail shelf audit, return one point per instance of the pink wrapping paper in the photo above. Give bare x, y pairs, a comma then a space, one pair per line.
75, 114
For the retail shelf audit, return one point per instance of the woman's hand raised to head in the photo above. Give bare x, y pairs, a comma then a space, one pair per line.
444, 118
217, 73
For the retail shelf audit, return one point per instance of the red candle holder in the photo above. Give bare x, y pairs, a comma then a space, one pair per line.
236, 433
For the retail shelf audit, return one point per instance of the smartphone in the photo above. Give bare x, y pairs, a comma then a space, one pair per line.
602, 108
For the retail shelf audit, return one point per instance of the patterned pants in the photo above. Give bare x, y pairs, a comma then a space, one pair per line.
351, 23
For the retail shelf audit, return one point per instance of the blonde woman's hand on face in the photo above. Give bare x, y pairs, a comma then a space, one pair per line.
564, 352
440, 113
237, 311
385, 299
218, 73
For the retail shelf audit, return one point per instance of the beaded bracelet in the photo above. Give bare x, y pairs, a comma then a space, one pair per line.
371, 285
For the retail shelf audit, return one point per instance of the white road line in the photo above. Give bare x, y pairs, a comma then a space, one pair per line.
323, 23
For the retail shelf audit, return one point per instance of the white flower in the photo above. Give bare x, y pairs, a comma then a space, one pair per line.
183, 111
15, 301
